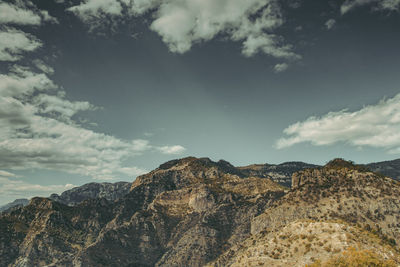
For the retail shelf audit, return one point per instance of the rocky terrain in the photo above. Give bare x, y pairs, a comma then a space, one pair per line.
196, 212
341, 196
280, 173
76, 195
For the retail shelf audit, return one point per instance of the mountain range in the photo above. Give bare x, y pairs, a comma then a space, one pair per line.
197, 212
279, 173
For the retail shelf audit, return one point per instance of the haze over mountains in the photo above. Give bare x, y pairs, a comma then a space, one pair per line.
196, 212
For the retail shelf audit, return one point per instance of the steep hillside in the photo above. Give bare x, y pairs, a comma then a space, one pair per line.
185, 213
360, 200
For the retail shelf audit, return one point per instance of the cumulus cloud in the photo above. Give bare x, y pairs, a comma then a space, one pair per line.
391, 5
375, 126
171, 150
181, 24
329, 24
281, 67
13, 43
23, 13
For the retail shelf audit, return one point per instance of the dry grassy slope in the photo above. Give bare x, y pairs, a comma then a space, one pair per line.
303, 242
338, 193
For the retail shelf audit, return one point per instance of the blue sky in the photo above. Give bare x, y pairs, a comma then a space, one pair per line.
107, 90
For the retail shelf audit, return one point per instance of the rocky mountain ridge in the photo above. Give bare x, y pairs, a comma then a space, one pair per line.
280, 173
196, 212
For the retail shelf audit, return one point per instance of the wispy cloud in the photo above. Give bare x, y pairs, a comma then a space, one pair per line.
330, 23
281, 67
375, 126
23, 13
390, 5
181, 24
172, 150
13, 43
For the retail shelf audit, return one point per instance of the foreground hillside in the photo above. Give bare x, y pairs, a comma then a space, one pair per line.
327, 211
196, 212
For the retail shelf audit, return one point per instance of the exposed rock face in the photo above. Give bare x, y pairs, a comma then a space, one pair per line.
281, 173
338, 192
109, 191
15, 204
185, 213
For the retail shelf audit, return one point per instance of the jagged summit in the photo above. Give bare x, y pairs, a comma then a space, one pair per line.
337, 172
181, 173
198, 162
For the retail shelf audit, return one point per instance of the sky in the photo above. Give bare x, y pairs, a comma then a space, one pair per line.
106, 90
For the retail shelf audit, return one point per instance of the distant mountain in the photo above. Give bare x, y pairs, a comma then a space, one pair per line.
197, 212
15, 204
389, 168
76, 195
280, 173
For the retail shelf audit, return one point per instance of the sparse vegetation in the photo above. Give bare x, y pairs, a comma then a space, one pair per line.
356, 258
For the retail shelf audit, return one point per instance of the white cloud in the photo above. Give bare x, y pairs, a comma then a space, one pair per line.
281, 67
13, 43
15, 15
183, 23
23, 13
23, 82
43, 67
330, 23
171, 150
375, 126
7, 174
94, 8
390, 5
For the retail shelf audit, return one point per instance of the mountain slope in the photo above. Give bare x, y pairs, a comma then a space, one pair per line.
389, 168
185, 213
338, 192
